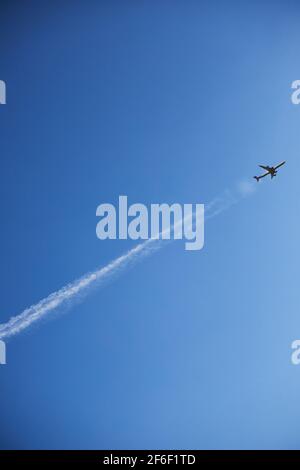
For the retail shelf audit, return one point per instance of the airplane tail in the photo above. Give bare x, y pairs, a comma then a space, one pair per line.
257, 178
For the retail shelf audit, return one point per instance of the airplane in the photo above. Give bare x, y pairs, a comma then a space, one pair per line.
270, 170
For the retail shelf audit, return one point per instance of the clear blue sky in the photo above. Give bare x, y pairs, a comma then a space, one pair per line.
168, 101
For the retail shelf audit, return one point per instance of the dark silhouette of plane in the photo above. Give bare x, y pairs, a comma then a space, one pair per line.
270, 170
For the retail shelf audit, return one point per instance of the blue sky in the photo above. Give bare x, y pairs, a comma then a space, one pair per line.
164, 102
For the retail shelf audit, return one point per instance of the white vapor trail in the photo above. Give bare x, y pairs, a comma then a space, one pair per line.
71, 291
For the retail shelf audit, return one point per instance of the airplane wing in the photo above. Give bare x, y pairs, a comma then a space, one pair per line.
280, 164
264, 167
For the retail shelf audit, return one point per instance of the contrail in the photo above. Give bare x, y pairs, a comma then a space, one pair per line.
72, 291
